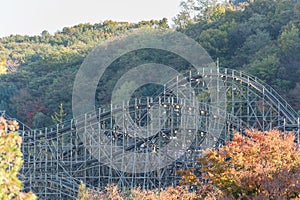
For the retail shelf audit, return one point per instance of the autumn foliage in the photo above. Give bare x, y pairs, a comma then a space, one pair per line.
11, 162
255, 166
252, 166
114, 193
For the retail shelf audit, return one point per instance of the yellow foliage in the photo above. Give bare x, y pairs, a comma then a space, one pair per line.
11, 162
218, 12
2, 66
170, 193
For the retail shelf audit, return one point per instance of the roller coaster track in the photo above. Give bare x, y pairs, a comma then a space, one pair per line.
56, 158
266, 90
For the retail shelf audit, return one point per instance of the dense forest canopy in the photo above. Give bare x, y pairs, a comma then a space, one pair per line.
40, 70
260, 37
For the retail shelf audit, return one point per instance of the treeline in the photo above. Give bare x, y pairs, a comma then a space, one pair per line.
260, 37
38, 71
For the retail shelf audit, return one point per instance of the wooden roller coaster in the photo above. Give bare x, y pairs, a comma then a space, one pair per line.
57, 158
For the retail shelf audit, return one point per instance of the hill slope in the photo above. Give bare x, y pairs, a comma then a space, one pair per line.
262, 39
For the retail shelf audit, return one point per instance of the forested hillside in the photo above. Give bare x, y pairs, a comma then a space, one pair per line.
261, 38
37, 72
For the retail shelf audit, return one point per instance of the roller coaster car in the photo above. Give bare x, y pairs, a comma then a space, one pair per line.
194, 77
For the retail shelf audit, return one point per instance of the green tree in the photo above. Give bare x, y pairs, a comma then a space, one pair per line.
193, 11
45, 36
163, 23
210, 10
289, 43
41, 120
289, 39
214, 41
253, 44
6, 91
265, 68
187, 15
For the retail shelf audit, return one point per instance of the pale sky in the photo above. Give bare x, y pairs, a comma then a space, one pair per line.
31, 17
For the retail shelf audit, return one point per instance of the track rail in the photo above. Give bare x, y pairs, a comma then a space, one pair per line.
55, 159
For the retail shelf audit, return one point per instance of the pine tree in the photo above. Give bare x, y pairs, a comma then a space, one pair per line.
58, 117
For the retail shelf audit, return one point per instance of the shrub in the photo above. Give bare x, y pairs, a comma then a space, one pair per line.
256, 166
11, 162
